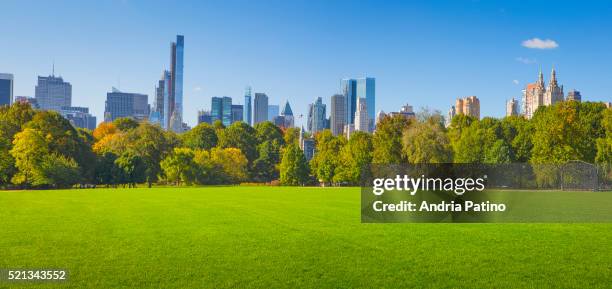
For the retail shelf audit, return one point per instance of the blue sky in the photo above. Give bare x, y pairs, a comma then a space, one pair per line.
425, 53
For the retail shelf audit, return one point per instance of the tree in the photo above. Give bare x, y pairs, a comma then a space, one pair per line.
265, 166
241, 136
355, 157
125, 124
517, 132
104, 129
152, 145
107, 171
604, 146
326, 158
132, 168
292, 135
57, 171
232, 162
203, 136
179, 166
388, 139
426, 142
12, 120
267, 131
29, 150
293, 167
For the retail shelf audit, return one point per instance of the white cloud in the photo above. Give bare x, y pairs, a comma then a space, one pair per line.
515, 82
197, 88
526, 60
537, 43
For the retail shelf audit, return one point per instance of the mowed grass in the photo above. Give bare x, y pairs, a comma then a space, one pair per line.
276, 237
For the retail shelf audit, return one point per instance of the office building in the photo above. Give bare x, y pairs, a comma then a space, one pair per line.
273, 111
237, 112
285, 119
79, 117
307, 144
349, 90
406, 111
52, 93
260, 108
6, 89
366, 89
160, 114
221, 109
123, 104
248, 109
362, 118
204, 117
337, 114
317, 119
512, 107
574, 95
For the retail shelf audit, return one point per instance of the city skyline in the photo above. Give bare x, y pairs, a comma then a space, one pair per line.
465, 48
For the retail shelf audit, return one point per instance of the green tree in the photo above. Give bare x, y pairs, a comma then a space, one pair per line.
231, 162
293, 167
203, 136
179, 167
292, 135
29, 150
326, 158
388, 139
12, 120
426, 142
57, 171
125, 124
132, 168
152, 145
241, 136
355, 157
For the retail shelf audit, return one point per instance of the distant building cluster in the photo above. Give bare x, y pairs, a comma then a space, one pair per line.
538, 94
469, 106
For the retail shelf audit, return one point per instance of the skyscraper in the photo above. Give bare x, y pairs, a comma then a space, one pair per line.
176, 86
285, 119
512, 107
261, 108
237, 112
221, 109
366, 88
6, 89
317, 116
247, 110
52, 93
158, 113
349, 90
204, 117
167, 101
362, 118
574, 95
338, 114
123, 104
538, 94
273, 111
468, 106
79, 117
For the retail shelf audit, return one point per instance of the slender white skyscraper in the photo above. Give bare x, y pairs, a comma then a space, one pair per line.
362, 119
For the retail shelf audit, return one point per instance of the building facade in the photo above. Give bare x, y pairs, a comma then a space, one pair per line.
338, 114
574, 95
6, 88
204, 116
362, 117
123, 104
538, 94
317, 119
52, 93
349, 90
366, 88
273, 111
79, 117
512, 107
260, 108
248, 110
221, 109
468, 106
237, 112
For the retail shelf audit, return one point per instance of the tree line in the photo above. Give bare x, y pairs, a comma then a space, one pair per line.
41, 149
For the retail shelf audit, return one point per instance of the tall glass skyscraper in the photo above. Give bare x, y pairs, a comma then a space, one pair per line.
221, 109
366, 89
349, 90
6, 89
247, 111
261, 108
175, 103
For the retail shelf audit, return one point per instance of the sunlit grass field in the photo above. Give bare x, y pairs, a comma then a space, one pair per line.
276, 237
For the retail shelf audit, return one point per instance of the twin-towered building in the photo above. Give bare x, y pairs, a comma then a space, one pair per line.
469, 106
539, 94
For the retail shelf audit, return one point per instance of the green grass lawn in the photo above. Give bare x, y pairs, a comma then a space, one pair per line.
275, 237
